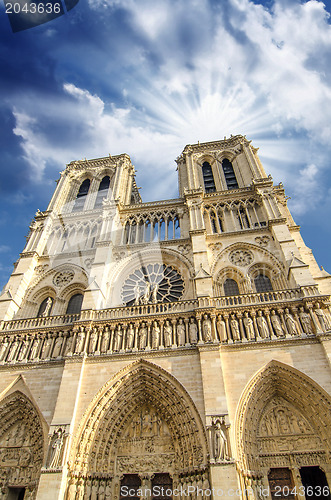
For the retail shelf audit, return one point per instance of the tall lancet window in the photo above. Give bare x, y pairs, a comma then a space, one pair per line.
102, 191
208, 177
81, 196
230, 176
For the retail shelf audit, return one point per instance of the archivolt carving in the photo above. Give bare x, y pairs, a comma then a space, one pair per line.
282, 411
141, 399
21, 443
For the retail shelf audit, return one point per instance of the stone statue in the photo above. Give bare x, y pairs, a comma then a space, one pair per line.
57, 346
167, 330
34, 348
46, 350
193, 331
290, 323
3, 347
206, 329
118, 339
130, 337
262, 325
154, 292
101, 492
181, 332
80, 489
49, 303
93, 341
57, 442
276, 323
220, 443
23, 349
68, 349
142, 336
13, 349
305, 322
155, 335
71, 490
249, 326
235, 328
94, 490
137, 294
147, 293
322, 318
249, 284
80, 340
105, 340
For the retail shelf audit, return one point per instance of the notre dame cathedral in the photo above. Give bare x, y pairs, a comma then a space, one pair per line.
178, 348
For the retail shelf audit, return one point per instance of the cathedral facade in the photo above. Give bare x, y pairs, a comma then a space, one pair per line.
170, 348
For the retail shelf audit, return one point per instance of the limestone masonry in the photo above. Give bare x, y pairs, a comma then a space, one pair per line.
171, 348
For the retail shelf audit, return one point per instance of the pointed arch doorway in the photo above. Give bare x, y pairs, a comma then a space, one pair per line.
141, 430
283, 434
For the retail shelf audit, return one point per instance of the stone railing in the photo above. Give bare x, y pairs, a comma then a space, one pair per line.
113, 313
42, 322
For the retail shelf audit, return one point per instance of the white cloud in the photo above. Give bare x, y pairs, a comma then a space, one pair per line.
254, 71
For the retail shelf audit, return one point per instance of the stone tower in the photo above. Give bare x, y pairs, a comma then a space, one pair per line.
180, 344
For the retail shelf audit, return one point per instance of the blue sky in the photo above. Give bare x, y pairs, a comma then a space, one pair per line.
147, 78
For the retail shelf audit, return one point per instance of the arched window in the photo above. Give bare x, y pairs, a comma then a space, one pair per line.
75, 304
208, 177
45, 307
230, 177
262, 283
230, 287
81, 196
102, 191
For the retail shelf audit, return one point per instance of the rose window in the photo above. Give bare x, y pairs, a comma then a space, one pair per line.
241, 258
153, 283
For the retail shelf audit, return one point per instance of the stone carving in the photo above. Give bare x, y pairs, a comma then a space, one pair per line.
249, 284
142, 336
23, 349
69, 345
146, 444
219, 438
48, 307
221, 329
322, 318
13, 349
118, 338
93, 341
193, 331
105, 340
235, 328
80, 340
3, 348
277, 325
290, 323
56, 448
305, 322
57, 346
262, 325
262, 240
241, 258
181, 333
21, 444
46, 349
249, 327
206, 329
130, 337
167, 330
63, 277
41, 269
155, 335
35, 348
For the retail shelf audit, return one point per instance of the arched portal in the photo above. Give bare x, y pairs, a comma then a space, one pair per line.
282, 427
141, 423
21, 446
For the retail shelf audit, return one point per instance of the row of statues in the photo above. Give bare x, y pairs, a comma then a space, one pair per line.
94, 488
169, 333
